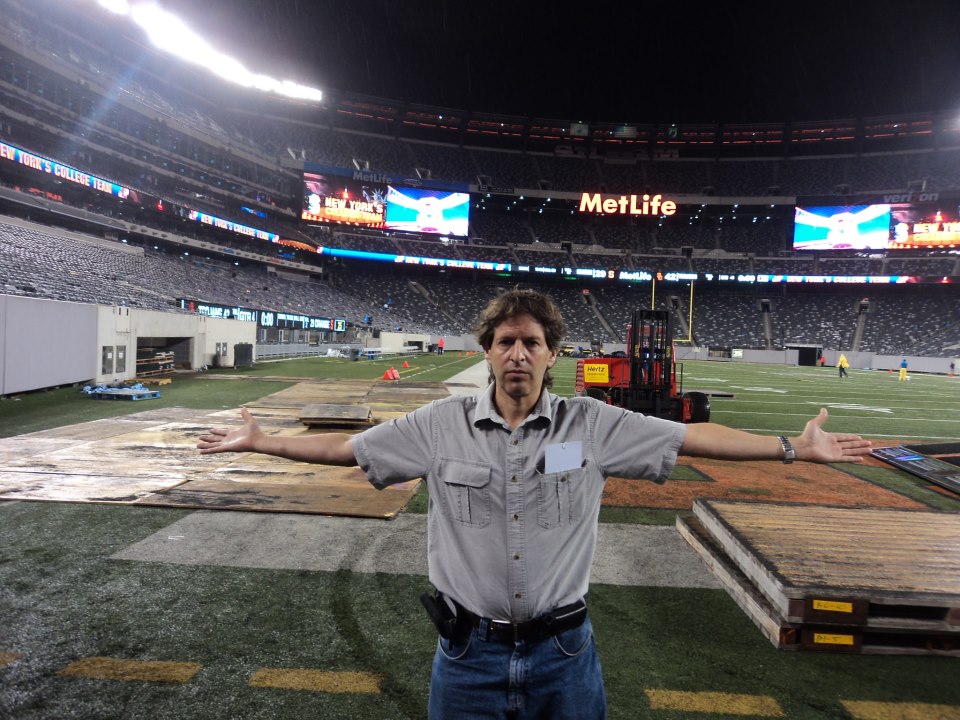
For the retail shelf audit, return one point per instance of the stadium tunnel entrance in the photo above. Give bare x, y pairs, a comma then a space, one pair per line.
158, 355
807, 355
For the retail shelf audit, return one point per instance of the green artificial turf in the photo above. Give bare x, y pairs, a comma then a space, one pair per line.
62, 597
45, 409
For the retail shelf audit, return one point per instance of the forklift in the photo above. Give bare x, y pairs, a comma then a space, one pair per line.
645, 380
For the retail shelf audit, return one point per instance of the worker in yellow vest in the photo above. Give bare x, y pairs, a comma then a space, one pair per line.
842, 366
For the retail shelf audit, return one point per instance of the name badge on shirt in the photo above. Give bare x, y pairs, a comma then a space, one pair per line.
564, 456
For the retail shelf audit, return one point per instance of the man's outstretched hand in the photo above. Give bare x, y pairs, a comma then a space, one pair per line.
817, 445
241, 439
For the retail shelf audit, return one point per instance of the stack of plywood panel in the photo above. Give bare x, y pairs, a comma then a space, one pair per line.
156, 363
838, 579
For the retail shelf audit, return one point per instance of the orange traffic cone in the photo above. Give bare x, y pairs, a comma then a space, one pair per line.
387, 375
405, 364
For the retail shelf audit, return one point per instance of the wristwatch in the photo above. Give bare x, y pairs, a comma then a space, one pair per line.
789, 454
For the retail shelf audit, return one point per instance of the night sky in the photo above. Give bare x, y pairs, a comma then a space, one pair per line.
640, 62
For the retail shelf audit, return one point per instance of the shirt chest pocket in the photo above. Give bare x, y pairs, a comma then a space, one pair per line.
465, 492
561, 497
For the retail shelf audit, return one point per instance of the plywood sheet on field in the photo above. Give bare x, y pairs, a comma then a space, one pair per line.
273, 417
329, 415
260, 482
737, 585
164, 443
876, 567
165, 414
29, 445
91, 430
896, 639
385, 398
150, 458
403, 395
799, 482
77, 486
339, 392
296, 488
119, 467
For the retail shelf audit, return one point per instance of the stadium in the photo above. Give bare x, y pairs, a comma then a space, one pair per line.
274, 245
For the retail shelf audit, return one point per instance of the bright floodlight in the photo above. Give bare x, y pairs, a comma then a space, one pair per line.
173, 35
119, 7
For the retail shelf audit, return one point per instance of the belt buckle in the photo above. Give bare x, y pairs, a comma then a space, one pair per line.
505, 629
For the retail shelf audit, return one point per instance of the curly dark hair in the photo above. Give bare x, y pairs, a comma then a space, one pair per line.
515, 302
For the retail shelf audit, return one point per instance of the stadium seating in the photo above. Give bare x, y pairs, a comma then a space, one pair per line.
68, 95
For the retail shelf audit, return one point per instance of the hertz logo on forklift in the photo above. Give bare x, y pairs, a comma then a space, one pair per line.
645, 380
596, 372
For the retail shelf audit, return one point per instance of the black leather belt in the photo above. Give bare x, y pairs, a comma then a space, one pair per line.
547, 625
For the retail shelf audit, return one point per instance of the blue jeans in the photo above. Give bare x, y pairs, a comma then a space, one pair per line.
557, 678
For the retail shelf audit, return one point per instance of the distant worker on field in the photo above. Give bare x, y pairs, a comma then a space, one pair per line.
842, 366
903, 370
440, 346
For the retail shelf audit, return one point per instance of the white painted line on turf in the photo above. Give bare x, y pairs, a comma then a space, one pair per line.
851, 406
759, 389
895, 436
807, 415
817, 399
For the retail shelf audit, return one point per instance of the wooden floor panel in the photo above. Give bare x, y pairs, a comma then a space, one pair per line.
836, 578
150, 458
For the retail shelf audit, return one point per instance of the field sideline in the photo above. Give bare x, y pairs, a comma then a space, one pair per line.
86, 631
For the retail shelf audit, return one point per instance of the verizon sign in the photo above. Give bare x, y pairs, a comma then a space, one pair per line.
626, 204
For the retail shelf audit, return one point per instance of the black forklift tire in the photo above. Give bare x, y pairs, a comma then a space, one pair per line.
696, 407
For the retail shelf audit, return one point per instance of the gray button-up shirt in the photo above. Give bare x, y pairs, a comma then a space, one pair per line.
507, 539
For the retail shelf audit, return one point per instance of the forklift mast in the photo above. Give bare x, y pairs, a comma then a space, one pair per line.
646, 380
650, 347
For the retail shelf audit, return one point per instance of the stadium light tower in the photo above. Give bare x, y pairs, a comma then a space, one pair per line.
171, 34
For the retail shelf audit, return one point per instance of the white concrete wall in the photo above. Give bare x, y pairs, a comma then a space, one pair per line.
872, 361
210, 331
455, 342
205, 331
124, 327
396, 341
46, 343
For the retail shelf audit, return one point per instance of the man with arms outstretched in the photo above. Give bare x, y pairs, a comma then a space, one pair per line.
515, 476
